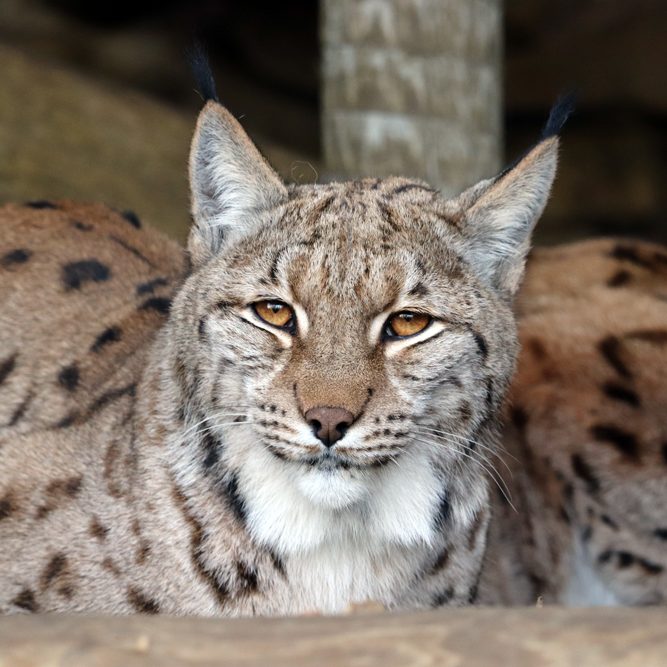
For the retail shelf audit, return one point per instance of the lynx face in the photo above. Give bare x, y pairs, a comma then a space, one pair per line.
341, 341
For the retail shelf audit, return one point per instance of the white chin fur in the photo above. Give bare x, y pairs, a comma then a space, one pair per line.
333, 489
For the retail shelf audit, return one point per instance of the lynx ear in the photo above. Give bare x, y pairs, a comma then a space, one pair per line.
230, 182
501, 212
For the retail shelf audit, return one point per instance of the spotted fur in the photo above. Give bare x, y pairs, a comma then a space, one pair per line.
155, 456
587, 425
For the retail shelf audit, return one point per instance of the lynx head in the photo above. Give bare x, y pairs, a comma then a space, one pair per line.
334, 335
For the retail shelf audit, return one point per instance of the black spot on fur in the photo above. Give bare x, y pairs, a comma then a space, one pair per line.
110, 335
418, 290
197, 539
141, 603
7, 366
389, 216
440, 562
474, 590
18, 256
82, 226
71, 486
608, 521
536, 347
26, 600
143, 553
159, 304
625, 442
627, 253
443, 513
648, 566
41, 203
66, 591
212, 449
605, 556
236, 501
587, 533
87, 270
202, 328
273, 271
654, 336
489, 394
149, 286
68, 377
538, 583
610, 348
132, 218
625, 559
17, 415
411, 186
664, 452
54, 568
277, 562
480, 341
619, 279
622, 394
6, 506
112, 395
131, 249
443, 598
97, 530
585, 473
519, 418
660, 533
67, 420
247, 576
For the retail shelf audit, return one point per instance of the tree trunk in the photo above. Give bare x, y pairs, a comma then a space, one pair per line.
412, 87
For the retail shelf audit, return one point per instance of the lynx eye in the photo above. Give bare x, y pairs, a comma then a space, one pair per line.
275, 313
405, 324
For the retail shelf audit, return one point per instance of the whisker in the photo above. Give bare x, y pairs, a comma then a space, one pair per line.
489, 469
436, 433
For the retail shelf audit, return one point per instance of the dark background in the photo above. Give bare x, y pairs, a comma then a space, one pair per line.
266, 60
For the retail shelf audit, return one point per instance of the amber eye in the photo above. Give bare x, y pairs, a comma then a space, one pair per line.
406, 323
276, 313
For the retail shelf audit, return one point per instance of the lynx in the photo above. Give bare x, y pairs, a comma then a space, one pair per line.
300, 412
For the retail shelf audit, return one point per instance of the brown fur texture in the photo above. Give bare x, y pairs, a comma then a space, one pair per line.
587, 424
155, 454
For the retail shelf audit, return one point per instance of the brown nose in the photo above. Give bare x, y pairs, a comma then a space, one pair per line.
329, 424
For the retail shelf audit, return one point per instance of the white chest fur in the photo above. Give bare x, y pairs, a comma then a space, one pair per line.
346, 536
331, 577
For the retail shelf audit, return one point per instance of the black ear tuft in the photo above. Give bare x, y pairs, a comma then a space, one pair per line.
559, 114
202, 70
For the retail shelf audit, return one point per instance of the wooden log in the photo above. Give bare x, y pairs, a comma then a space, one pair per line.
514, 637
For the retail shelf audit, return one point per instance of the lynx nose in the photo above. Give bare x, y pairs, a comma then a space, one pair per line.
329, 424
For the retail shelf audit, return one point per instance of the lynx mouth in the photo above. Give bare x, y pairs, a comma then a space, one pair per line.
330, 460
